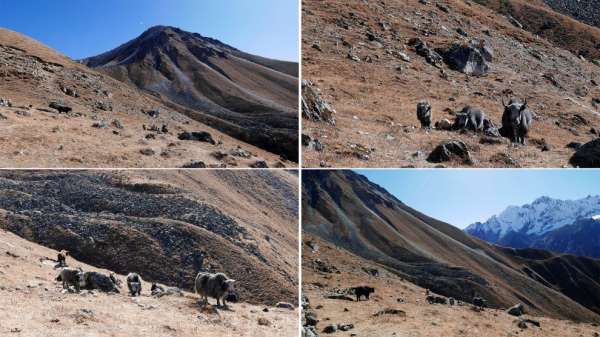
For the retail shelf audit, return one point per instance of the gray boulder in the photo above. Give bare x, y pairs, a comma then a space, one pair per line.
470, 59
330, 328
588, 155
449, 150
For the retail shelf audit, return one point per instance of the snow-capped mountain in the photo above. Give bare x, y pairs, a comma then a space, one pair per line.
522, 226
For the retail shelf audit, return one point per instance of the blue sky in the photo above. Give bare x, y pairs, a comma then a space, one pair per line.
461, 197
86, 28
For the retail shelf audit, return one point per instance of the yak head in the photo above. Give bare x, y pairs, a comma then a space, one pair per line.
514, 109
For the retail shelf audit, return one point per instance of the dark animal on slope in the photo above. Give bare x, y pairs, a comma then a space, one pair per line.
363, 291
201, 136
61, 257
214, 285
478, 302
92, 280
134, 284
60, 107
516, 121
432, 299
424, 114
70, 277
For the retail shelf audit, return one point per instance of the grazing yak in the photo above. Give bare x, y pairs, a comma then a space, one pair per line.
363, 291
424, 114
134, 283
70, 277
217, 286
93, 280
516, 121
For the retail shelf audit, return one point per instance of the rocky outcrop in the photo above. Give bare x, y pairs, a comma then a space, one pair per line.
470, 59
314, 107
450, 150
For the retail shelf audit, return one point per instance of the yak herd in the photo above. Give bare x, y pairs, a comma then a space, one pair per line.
214, 285
516, 120
477, 302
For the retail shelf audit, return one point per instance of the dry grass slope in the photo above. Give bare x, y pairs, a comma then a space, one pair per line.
33, 135
33, 304
393, 292
376, 97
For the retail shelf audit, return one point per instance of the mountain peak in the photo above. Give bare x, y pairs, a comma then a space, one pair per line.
249, 97
533, 220
542, 200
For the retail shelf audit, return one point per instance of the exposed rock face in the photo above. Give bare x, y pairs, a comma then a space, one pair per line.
313, 105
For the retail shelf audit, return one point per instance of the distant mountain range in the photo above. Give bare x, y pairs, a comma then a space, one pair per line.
567, 226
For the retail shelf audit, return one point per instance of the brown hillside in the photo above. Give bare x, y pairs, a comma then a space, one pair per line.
245, 96
376, 96
34, 135
165, 225
395, 292
32, 303
347, 210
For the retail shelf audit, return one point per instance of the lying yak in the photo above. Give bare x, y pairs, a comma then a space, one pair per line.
217, 286
516, 121
470, 118
159, 291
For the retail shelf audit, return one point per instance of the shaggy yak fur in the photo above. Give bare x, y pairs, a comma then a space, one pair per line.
213, 285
